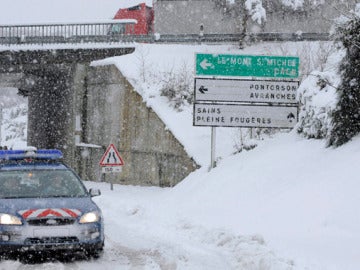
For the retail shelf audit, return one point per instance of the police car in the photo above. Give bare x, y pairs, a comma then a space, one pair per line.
44, 206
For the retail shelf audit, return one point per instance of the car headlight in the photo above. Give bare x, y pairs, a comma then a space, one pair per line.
6, 219
90, 217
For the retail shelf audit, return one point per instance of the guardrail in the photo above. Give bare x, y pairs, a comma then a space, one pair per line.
252, 37
99, 31
110, 31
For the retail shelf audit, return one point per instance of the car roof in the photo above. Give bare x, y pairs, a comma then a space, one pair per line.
32, 166
31, 159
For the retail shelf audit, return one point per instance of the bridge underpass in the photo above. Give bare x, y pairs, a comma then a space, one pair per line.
80, 109
46, 77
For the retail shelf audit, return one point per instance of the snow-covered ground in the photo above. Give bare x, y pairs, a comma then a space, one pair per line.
150, 67
290, 203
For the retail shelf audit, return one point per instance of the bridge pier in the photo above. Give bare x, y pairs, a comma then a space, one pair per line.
50, 107
48, 81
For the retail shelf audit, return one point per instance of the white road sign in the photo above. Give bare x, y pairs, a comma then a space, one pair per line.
240, 115
112, 169
238, 90
111, 161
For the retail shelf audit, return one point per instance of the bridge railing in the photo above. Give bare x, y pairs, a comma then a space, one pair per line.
233, 38
108, 31
99, 31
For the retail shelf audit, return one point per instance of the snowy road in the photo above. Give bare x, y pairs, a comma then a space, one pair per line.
140, 236
117, 256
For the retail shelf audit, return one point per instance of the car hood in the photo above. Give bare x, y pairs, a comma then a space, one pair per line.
47, 206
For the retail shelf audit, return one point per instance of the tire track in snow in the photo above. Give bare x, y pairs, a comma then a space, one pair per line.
138, 259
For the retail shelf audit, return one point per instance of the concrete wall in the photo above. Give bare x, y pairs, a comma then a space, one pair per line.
116, 114
311, 19
186, 16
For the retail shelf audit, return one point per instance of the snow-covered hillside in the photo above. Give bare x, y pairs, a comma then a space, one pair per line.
150, 68
290, 203
296, 194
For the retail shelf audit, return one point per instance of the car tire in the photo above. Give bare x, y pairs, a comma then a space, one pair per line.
94, 253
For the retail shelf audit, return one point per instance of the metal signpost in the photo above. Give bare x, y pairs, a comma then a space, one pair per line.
259, 100
111, 161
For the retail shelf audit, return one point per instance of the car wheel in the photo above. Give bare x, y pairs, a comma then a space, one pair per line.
94, 253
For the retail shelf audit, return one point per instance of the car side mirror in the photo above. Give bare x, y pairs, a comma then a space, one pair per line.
94, 192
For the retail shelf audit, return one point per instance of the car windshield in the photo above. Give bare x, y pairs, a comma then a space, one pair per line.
40, 183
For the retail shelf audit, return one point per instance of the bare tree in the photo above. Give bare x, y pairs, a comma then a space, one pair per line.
244, 12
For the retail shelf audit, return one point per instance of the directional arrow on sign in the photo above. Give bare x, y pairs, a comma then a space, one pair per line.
291, 117
202, 89
243, 90
246, 65
205, 64
244, 115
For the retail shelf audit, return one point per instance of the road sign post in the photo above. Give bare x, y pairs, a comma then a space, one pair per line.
213, 146
111, 162
260, 100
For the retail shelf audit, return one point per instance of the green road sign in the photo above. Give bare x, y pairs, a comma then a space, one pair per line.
247, 65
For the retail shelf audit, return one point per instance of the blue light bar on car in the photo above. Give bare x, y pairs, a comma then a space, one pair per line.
48, 154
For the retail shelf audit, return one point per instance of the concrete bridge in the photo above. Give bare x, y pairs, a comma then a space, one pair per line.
120, 31
82, 109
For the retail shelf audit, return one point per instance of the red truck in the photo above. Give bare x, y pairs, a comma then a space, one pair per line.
144, 16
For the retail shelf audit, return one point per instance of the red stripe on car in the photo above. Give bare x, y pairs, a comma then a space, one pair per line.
70, 212
28, 213
48, 212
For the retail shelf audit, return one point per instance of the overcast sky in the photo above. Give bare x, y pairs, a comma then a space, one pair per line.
28, 11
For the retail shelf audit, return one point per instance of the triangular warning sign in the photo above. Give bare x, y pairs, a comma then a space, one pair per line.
111, 157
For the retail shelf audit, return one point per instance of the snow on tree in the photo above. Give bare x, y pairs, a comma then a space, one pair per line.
13, 118
317, 92
251, 15
317, 98
256, 10
243, 10
346, 116
294, 4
